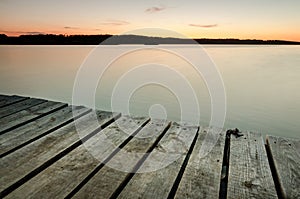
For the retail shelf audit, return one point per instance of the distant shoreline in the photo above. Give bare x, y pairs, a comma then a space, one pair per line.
50, 39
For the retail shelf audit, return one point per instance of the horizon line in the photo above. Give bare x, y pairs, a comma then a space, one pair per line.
162, 37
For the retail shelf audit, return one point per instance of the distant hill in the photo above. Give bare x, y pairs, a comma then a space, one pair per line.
51, 39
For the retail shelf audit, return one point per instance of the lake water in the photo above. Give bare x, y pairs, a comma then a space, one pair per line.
261, 82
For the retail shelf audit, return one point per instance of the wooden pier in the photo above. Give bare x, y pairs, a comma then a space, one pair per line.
44, 156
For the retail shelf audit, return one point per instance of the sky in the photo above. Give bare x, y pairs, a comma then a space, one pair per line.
248, 19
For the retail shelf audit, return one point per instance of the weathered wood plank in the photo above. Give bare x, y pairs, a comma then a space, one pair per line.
285, 154
249, 171
61, 177
6, 100
16, 166
170, 151
27, 115
104, 183
19, 106
3, 96
202, 176
12, 97
17, 138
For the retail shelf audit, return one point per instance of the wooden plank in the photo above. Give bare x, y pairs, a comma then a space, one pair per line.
249, 171
6, 100
16, 107
285, 153
171, 151
27, 161
27, 115
104, 183
10, 98
17, 138
61, 177
202, 176
3, 96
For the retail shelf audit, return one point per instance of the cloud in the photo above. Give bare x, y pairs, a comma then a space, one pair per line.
70, 27
204, 25
34, 33
155, 9
22, 32
115, 22
76, 28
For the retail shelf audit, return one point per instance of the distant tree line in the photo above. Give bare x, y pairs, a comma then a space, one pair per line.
51, 39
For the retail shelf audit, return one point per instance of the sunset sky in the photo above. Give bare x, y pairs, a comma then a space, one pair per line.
251, 19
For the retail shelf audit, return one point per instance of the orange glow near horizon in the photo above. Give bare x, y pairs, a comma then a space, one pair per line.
196, 19
192, 35
187, 31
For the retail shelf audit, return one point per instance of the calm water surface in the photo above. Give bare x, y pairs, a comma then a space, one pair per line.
262, 82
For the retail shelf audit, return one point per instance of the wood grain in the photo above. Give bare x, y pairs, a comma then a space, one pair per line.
249, 171
51, 150
6, 100
19, 106
170, 152
32, 131
285, 153
17, 165
202, 176
60, 178
28, 115
105, 182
